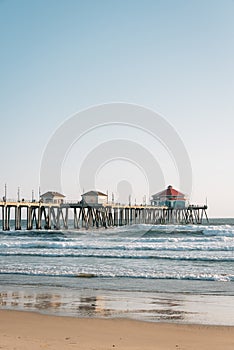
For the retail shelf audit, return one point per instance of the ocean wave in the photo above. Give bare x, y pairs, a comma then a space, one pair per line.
222, 277
134, 245
136, 229
221, 231
103, 255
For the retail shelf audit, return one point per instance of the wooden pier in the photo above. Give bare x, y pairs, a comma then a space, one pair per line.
39, 215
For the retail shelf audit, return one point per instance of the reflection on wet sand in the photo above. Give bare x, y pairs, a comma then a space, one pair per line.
113, 305
47, 301
22, 300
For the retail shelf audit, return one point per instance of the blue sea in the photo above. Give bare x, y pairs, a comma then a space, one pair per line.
172, 273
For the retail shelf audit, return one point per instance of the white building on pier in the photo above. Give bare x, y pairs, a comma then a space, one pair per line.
94, 198
52, 197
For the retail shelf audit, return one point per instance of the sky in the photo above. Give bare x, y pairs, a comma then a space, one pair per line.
173, 57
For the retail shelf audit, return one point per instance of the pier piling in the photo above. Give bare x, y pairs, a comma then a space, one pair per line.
56, 216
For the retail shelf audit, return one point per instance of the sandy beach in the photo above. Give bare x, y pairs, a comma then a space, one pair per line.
29, 331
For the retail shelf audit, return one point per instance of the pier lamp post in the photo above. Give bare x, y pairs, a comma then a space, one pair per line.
129, 200
32, 195
18, 194
5, 194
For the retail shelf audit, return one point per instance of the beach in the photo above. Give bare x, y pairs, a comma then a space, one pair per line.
32, 331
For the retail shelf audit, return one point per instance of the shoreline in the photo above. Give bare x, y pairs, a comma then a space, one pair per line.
24, 330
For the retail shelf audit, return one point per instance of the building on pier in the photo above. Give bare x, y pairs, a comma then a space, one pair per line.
170, 198
94, 198
52, 197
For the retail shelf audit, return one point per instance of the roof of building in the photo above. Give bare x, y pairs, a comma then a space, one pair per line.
94, 193
169, 192
52, 194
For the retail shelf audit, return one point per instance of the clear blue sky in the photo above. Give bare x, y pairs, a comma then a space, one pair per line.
174, 56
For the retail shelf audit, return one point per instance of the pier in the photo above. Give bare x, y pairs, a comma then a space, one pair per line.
39, 215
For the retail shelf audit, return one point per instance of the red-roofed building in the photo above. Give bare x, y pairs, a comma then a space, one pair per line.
169, 197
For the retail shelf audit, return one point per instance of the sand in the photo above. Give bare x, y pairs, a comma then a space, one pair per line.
29, 331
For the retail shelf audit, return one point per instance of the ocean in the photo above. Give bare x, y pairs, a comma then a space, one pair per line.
172, 273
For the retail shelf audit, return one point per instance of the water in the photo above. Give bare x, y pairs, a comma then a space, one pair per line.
172, 272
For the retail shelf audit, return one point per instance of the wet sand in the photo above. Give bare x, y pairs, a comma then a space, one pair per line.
32, 331
154, 307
